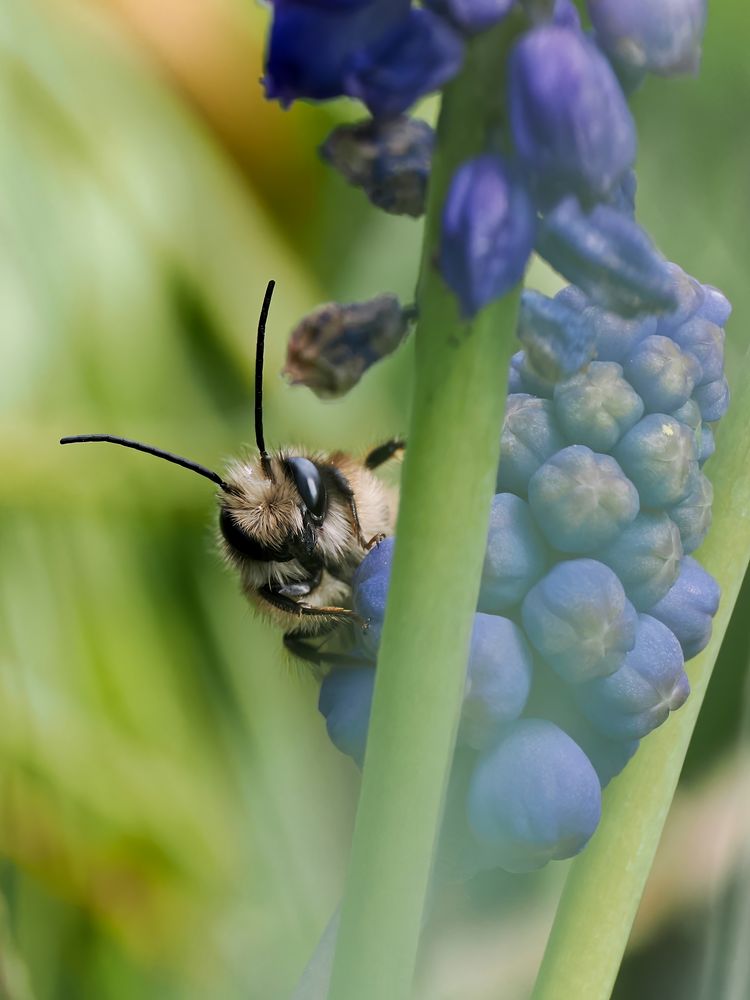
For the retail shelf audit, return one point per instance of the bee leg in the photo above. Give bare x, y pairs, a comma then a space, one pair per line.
384, 452
284, 603
346, 491
310, 653
375, 540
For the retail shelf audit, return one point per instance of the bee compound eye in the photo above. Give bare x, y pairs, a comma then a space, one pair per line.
244, 544
309, 485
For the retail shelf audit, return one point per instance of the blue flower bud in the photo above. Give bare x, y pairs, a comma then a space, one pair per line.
622, 198
534, 797
471, 16
515, 557
579, 619
659, 457
522, 380
689, 414
689, 606
370, 590
498, 680
295, 68
389, 160
345, 701
563, 14
488, 232
597, 406
573, 297
662, 37
704, 341
552, 699
646, 558
460, 856
608, 255
530, 436
689, 296
557, 338
716, 307
661, 374
570, 123
581, 500
713, 399
649, 685
707, 445
616, 336
693, 514
416, 56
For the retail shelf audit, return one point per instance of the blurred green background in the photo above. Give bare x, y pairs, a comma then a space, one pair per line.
174, 822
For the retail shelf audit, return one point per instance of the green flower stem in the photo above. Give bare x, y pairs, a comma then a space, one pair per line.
604, 886
448, 483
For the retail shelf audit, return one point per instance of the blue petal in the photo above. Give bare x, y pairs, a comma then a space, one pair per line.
488, 232
414, 57
607, 255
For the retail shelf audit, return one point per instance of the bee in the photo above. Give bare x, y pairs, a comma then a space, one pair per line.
294, 525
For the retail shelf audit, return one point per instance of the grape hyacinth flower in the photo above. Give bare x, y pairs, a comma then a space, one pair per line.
581, 499
527, 811
608, 255
471, 16
571, 126
663, 38
488, 232
579, 620
556, 337
639, 696
589, 603
383, 52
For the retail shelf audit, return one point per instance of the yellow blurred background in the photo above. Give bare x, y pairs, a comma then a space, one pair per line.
174, 821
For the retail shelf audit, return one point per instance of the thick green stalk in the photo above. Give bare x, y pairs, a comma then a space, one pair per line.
448, 483
605, 885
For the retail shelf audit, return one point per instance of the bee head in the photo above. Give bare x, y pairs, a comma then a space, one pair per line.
271, 511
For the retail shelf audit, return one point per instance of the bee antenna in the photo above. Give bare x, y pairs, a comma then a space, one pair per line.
265, 460
150, 450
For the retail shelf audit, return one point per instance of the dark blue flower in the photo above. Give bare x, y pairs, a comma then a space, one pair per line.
661, 36
607, 255
471, 16
488, 232
311, 45
381, 51
570, 122
416, 56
